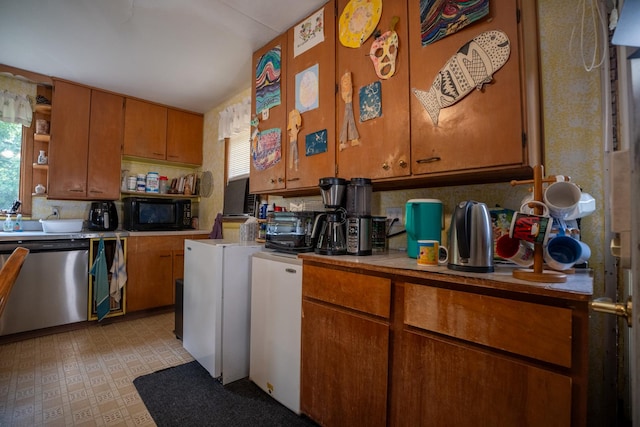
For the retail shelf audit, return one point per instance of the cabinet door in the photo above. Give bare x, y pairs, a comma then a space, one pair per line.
145, 130
384, 149
105, 146
266, 171
441, 383
150, 272
344, 367
485, 128
184, 137
319, 121
68, 148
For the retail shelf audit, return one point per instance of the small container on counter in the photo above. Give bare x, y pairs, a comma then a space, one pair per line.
153, 182
141, 182
164, 184
131, 183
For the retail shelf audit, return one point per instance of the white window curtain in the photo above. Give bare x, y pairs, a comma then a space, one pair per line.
234, 119
17, 100
15, 108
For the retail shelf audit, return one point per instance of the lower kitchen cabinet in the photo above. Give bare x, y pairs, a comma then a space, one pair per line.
385, 346
345, 342
506, 362
153, 265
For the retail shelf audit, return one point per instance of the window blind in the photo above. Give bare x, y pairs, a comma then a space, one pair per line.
239, 155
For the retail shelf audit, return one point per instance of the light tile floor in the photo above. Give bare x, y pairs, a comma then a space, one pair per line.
85, 377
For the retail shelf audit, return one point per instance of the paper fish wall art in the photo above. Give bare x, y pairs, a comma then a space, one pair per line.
471, 67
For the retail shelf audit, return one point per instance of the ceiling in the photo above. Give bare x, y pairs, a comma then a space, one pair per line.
190, 54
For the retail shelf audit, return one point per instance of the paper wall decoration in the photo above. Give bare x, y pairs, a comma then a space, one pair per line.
308, 33
307, 89
293, 126
268, 80
358, 20
349, 132
440, 18
316, 143
384, 51
268, 149
370, 101
471, 67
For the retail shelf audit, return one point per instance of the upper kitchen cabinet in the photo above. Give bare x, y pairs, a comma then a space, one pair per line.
310, 142
472, 112
269, 110
184, 137
379, 92
86, 137
145, 130
156, 132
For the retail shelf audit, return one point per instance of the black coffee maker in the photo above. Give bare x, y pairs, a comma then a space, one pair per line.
103, 216
329, 227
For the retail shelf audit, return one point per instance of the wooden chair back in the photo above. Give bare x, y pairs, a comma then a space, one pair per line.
9, 274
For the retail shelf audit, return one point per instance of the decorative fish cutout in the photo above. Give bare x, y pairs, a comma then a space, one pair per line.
471, 67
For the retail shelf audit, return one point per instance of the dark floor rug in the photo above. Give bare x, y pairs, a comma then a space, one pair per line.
187, 395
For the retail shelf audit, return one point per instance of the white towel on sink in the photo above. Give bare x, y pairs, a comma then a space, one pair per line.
118, 271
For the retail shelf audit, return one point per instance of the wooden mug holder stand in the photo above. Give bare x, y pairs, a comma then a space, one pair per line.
538, 273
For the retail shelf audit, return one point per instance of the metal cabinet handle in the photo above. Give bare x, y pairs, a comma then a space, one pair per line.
290, 270
280, 179
293, 179
402, 164
429, 159
606, 305
385, 166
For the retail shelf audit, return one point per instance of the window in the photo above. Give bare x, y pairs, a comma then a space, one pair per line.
10, 155
238, 155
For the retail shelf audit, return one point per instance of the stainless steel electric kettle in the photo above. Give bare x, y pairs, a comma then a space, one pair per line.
471, 238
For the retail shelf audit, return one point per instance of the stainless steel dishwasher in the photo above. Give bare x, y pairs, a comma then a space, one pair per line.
52, 288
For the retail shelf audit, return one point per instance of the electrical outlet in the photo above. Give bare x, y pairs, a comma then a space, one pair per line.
395, 213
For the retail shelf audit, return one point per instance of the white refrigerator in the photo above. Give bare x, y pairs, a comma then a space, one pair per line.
217, 303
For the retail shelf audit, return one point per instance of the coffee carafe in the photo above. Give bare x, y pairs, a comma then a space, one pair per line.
331, 238
329, 227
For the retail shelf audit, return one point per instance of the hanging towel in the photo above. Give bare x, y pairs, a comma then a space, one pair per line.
101, 282
216, 232
118, 271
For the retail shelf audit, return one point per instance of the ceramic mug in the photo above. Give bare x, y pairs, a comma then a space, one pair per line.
431, 253
562, 198
529, 227
562, 252
515, 250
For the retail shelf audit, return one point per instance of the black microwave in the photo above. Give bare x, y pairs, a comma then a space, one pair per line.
156, 214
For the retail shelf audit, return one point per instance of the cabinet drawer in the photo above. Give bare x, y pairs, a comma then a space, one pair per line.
360, 292
533, 330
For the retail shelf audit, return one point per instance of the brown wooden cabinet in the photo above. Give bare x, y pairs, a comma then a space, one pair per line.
265, 180
184, 137
105, 145
157, 132
154, 263
145, 130
86, 138
384, 150
345, 345
488, 128
315, 122
504, 361
398, 347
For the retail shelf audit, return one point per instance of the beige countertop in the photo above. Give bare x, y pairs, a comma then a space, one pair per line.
578, 286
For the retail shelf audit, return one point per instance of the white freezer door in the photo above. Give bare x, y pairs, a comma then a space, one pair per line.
276, 305
202, 310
